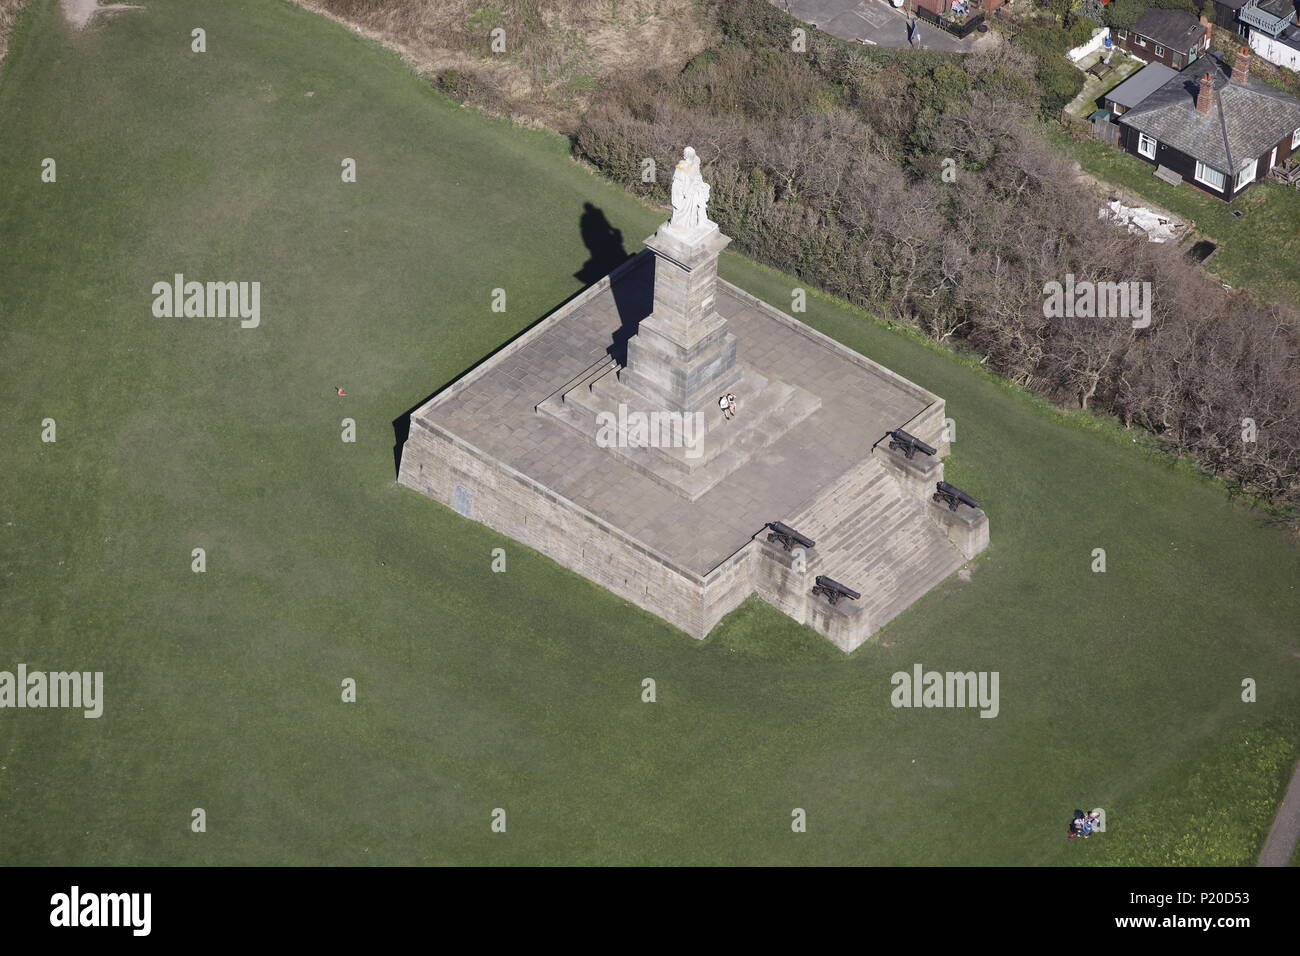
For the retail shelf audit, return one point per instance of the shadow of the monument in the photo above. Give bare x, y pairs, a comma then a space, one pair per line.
633, 292
604, 244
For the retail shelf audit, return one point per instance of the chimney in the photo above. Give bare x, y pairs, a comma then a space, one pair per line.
1241, 65
1205, 95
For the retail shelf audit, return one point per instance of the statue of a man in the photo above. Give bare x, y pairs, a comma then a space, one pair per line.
690, 195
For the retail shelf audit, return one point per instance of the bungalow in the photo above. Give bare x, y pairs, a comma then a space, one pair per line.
1215, 127
1171, 37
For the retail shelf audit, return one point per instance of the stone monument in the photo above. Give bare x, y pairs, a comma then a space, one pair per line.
623, 467
682, 360
683, 357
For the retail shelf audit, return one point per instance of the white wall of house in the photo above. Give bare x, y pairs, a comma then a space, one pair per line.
1096, 43
1274, 52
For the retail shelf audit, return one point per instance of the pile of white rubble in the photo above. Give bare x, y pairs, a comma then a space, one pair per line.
1138, 219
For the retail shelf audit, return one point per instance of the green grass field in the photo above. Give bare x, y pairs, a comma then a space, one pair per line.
518, 690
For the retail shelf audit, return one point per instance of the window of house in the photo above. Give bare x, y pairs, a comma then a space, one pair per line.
1210, 176
1146, 146
1295, 139
1160, 51
1141, 41
1246, 175
1123, 34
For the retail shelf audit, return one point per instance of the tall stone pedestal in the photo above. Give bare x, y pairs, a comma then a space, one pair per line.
683, 358
660, 412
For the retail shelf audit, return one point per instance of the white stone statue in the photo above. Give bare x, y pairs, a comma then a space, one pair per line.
690, 197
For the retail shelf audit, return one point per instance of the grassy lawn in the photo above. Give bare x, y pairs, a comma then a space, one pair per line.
1259, 251
518, 690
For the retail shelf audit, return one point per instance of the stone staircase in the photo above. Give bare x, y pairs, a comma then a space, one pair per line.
877, 539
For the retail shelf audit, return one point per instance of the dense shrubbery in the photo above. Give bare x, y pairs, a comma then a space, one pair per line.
829, 165
9, 10
1058, 79
556, 52
1122, 14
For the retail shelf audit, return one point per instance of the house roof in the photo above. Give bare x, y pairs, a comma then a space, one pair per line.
1141, 85
1172, 28
1247, 120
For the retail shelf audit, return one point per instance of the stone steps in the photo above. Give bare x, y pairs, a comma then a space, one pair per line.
585, 377
878, 540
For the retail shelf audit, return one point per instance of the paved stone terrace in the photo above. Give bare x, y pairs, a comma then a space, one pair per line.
496, 413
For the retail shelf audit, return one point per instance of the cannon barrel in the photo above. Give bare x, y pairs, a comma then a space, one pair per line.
830, 584
910, 443
952, 492
787, 534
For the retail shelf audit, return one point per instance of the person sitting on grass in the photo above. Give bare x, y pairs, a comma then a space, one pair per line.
1076, 825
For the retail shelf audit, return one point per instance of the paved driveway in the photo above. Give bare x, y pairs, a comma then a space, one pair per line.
875, 21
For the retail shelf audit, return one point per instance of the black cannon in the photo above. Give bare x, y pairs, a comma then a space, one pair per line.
908, 444
787, 537
952, 496
833, 590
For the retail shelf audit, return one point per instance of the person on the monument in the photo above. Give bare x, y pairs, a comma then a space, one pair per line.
731, 404
724, 403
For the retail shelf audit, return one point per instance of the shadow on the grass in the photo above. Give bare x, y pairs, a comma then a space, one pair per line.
633, 296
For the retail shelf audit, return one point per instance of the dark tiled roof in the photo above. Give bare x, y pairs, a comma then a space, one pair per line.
1247, 120
1141, 84
1172, 28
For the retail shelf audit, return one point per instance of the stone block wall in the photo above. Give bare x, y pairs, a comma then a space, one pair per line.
726, 587
441, 466
967, 528
929, 427
780, 582
437, 464
845, 624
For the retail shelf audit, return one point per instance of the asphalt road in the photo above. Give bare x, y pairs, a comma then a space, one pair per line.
873, 21
1282, 837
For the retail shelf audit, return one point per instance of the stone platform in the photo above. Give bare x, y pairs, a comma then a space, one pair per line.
712, 446
511, 444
